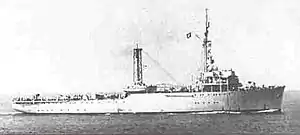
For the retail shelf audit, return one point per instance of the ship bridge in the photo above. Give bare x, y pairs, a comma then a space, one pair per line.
211, 78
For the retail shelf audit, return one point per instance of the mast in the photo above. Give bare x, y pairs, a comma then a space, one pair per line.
205, 42
137, 66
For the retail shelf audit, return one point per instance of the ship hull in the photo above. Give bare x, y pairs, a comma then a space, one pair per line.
236, 101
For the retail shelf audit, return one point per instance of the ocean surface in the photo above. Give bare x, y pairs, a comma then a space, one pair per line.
286, 122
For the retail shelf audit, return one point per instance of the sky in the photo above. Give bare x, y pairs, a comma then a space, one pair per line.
58, 46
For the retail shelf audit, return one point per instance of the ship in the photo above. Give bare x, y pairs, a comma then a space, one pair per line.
211, 90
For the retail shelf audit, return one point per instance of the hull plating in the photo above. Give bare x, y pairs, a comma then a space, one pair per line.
252, 100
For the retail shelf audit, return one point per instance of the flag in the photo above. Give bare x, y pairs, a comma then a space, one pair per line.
189, 35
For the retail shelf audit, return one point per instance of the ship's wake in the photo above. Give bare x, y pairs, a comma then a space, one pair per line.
217, 112
267, 111
195, 113
238, 112
10, 113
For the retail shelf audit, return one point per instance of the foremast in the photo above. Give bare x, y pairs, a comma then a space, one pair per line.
211, 78
206, 42
208, 63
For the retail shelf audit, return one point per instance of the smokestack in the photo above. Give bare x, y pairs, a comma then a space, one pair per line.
137, 66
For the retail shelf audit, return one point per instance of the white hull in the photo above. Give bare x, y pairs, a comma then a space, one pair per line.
252, 100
